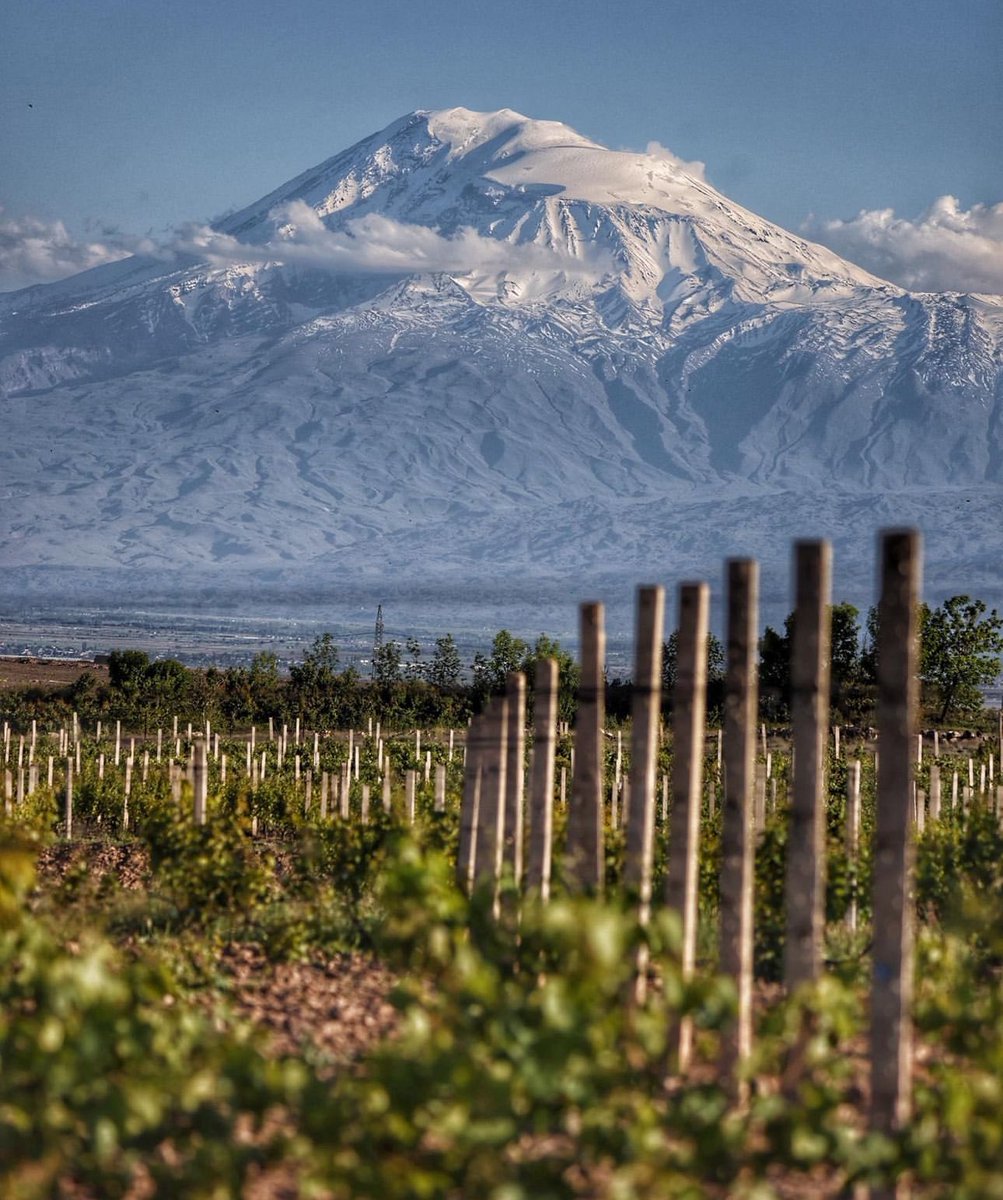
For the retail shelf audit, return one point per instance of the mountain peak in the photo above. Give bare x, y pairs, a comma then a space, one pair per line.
505, 130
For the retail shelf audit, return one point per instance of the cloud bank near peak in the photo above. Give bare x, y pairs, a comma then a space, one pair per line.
380, 245
945, 249
696, 168
35, 250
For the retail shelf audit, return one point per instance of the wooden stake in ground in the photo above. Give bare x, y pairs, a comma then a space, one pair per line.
688, 715
200, 782
409, 786
491, 816
740, 702
541, 791
934, 792
466, 855
585, 856
853, 832
804, 895
645, 711
68, 811
892, 983
515, 693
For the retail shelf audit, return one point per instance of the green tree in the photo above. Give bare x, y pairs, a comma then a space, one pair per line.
568, 674
127, 674
960, 652
312, 681
670, 657
445, 668
414, 668
847, 669
775, 670
387, 663
508, 654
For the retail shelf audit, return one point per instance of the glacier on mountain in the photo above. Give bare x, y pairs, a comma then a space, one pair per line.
475, 346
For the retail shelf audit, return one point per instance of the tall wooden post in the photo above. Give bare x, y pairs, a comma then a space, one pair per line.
934, 792
541, 791
740, 703
853, 833
892, 982
466, 856
688, 716
68, 811
200, 782
585, 850
491, 815
645, 711
410, 777
512, 846
805, 882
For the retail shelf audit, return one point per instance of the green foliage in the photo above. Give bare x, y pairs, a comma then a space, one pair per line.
205, 870
960, 651
107, 1079
715, 670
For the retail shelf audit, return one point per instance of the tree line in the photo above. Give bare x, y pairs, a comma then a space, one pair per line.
961, 645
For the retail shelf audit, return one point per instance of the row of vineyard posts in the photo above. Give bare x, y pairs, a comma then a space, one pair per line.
506, 814
492, 835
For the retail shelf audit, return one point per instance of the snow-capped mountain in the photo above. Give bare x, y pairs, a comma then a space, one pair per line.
476, 342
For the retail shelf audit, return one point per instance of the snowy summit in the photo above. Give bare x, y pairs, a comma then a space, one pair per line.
477, 341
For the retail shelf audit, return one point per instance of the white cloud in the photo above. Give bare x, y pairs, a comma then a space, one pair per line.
946, 249
695, 168
37, 251
377, 244
34, 250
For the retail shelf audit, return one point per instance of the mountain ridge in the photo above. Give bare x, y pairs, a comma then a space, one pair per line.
469, 322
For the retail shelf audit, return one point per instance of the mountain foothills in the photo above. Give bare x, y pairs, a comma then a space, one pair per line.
476, 343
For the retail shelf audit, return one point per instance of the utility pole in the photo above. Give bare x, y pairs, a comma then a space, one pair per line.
377, 641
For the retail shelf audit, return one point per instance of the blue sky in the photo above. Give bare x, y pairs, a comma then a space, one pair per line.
133, 116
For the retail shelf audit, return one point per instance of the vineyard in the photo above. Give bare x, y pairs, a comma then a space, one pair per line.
543, 954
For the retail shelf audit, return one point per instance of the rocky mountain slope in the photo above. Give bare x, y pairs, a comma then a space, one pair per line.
477, 344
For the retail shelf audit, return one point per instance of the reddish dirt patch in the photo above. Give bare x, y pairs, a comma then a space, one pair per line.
334, 1005
48, 673
129, 864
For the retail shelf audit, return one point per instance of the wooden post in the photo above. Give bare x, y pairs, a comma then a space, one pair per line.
440, 787
466, 856
68, 810
740, 703
409, 782
805, 881
585, 853
688, 715
387, 796
491, 816
853, 832
200, 782
364, 805
541, 790
512, 852
759, 800
892, 982
646, 706
934, 792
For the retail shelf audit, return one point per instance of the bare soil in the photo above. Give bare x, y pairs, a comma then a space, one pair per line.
51, 674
